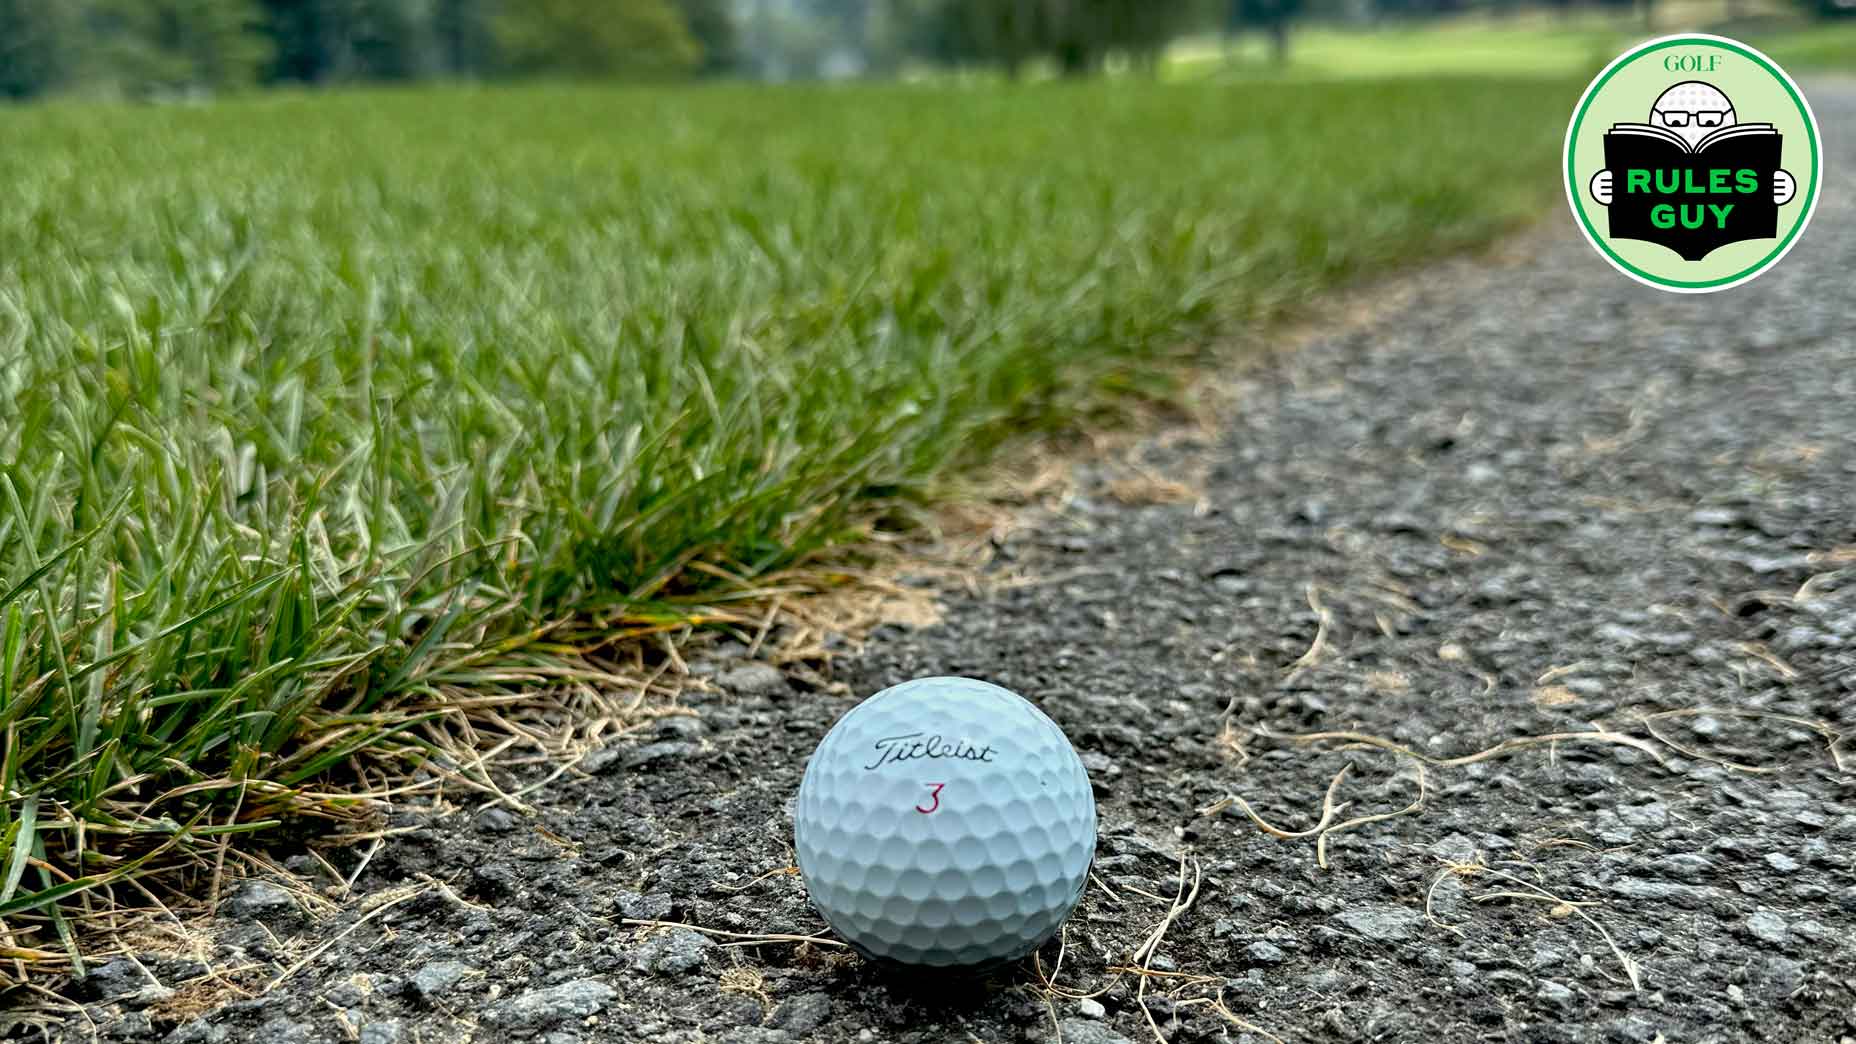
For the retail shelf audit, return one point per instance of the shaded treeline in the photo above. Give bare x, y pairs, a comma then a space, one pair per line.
144, 47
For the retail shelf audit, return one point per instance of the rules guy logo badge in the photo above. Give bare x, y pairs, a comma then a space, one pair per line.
1692, 163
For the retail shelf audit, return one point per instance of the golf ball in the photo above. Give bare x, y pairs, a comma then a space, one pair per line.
945, 821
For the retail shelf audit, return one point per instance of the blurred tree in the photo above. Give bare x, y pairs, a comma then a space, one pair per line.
461, 32
1269, 16
1142, 30
1076, 34
154, 45
323, 40
1005, 32
297, 40
847, 24
388, 40
894, 33
712, 23
1080, 35
789, 45
595, 38
38, 46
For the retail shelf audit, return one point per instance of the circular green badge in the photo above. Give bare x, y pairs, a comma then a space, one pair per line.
1692, 163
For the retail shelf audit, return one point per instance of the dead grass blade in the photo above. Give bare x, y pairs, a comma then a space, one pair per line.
1532, 892
745, 938
1501, 749
1328, 810
1321, 840
1833, 740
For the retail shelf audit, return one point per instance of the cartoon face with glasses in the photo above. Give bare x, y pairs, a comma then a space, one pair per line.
1692, 110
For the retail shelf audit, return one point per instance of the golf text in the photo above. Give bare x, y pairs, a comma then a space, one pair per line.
893, 749
1690, 63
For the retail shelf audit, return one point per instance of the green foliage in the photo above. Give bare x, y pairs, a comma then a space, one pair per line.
461, 31
633, 39
385, 39
152, 46
712, 24
346, 40
313, 416
142, 46
1263, 13
1270, 16
1077, 34
134, 46
39, 46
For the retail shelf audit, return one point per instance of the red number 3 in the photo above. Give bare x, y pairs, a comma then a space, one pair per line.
934, 791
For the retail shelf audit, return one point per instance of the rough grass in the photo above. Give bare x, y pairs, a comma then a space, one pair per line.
320, 415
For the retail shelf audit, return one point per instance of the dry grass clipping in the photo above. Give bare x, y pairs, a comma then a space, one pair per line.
749, 982
1502, 749
1324, 622
1144, 486
1553, 696
741, 938
1530, 892
1139, 963
1833, 740
377, 904
1324, 826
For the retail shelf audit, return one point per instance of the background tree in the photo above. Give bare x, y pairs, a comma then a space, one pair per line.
297, 38
387, 40
712, 24
320, 41
462, 37
141, 46
1142, 30
640, 39
1076, 34
1271, 17
1007, 33
38, 46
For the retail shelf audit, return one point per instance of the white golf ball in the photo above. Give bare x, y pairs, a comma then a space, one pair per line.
945, 821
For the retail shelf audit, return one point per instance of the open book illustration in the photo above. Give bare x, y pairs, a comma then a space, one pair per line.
1693, 198
1721, 134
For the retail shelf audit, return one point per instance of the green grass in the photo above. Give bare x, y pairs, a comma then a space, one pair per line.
315, 410
1468, 47
1824, 47
1532, 44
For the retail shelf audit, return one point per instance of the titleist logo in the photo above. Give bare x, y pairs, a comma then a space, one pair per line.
892, 749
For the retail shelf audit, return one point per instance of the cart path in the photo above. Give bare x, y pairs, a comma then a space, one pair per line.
1531, 498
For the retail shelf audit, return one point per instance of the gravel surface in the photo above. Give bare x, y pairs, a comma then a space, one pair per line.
1528, 498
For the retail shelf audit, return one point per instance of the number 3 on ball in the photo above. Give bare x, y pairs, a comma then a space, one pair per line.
934, 793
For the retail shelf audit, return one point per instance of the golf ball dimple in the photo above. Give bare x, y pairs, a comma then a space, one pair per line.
945, 821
